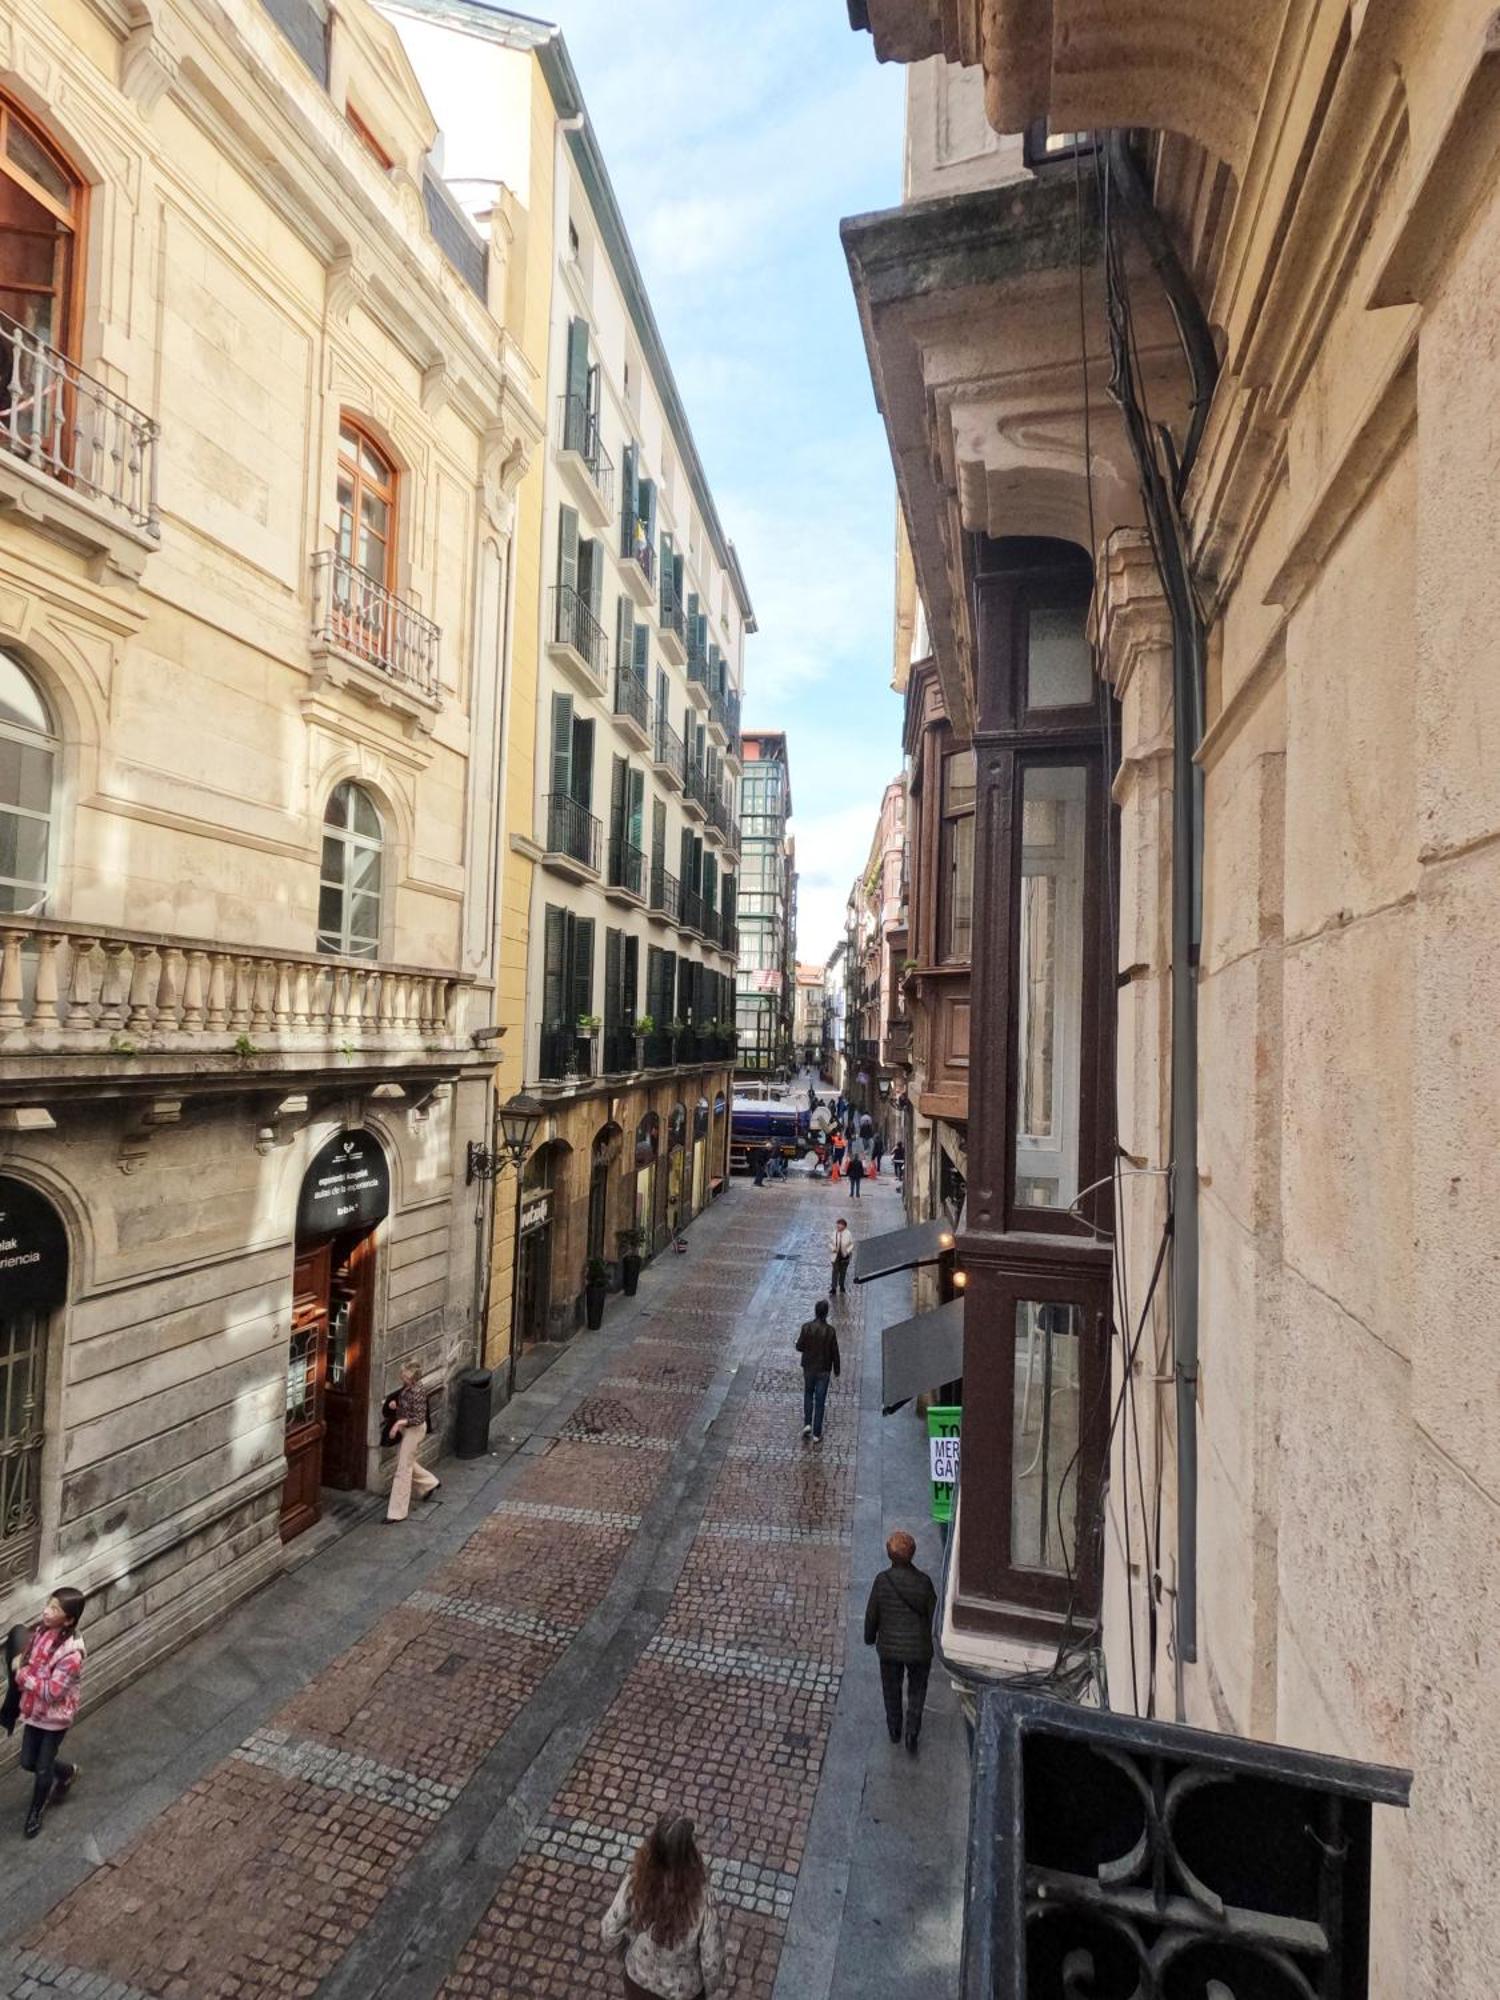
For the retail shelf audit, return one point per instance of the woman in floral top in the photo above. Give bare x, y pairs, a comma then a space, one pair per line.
664, 1921
409, 1429
46, 1675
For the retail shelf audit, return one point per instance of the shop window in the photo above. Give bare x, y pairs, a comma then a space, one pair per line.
351, 885
956, 860
28, 770
1049, 984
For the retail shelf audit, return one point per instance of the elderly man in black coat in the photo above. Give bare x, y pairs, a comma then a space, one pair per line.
898, 1624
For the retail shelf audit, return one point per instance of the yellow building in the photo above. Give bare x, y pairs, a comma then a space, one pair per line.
263, 418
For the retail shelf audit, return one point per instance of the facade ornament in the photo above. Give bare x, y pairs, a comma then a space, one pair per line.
283, 1124
148, 1121
148, 66
348, 283
437, 385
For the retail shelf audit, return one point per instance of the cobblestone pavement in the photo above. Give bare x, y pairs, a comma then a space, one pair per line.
651, 1615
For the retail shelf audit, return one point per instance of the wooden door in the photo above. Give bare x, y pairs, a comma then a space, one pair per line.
351, 1315
307, 1365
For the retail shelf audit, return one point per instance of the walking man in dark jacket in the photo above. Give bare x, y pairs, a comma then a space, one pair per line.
898, 1624
818, 1344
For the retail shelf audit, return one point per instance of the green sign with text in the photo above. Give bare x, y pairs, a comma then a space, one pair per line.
943, 1423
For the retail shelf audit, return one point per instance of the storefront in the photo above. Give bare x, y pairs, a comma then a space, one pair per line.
647, 1149
33, 1290
346, 1195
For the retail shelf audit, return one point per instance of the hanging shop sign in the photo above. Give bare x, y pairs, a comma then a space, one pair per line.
943, 1423
33, 1249
348, 1186
536, 1210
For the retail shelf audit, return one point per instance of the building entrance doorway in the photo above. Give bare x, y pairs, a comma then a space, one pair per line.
534, 1279
345, 1195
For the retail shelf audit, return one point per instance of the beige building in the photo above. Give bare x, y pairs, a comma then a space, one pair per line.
807, 1031
1306, 1545
261, 428
641, 620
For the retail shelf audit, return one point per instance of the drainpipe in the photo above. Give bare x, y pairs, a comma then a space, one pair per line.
1129, 186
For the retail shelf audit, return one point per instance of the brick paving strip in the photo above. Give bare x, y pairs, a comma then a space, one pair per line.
459, 1767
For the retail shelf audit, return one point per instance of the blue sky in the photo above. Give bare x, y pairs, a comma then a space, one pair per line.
736, 138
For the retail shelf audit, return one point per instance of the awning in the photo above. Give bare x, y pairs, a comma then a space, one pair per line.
921, 1353
901, 1249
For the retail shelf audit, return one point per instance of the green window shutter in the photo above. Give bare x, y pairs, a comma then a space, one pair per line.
668, 1007
658, 833
594, 391
583, 761
611, 981
581, 969
665, 579
624, 634
567, 548
663, 697
703, 635
646, 509
577, 384
562, 745
635, 807
630, 982
642, 660
678, 578
617, 782
553, 966
692, 619
710, 881
685, 864
591, 577
628, 499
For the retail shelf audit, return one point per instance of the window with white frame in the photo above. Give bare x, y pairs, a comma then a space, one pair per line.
28, 772
351, 883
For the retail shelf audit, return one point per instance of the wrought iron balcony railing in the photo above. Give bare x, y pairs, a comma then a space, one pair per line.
574, 625
668, 752
74, 431
627, 867
354, 614
572, 830
565, 1055
695, 785
692, 910
635, 546
632, 700
623, 1051
666, 895
580, 433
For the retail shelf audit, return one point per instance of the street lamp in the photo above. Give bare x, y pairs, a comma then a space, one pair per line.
520, 1119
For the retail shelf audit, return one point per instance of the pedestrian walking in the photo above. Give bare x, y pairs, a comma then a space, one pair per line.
856, 1171
877, 1153
898, 1624
664, 1922
838, 1152
758, 1164
898, 1162
818, 1344
408, 1430
843, 1250
44, 1680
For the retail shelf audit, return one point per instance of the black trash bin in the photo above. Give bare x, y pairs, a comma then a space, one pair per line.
471, 1424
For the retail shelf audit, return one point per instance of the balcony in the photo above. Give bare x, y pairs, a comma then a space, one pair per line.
638, 562
632, 708
577, 640
624, 1051
697, 681
665, 899
897, 1048
695, 793
582, 454
716, 830
367, 638
718, 720
157, 1005
691, 918
672, 627
572, 842
627, 874
729, 937
668, 754
75, 458
566, 1056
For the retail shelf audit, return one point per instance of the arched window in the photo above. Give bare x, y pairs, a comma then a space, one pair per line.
41, 214
349, 890
28, 763
367, 505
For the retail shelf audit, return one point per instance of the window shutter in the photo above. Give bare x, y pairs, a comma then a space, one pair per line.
591, 577
624, 634
583, 761
635, 807
685, 869
668, 986
567, 548
665, 580
593, 400
611, 981
628, 500
710, 881
677, 580
577, 384
658, 834
582, 967
663, 698
692, 626
646, 509
553, 975
630, 982
643, 654
562, 745
702, 635
685, 1010
617, 780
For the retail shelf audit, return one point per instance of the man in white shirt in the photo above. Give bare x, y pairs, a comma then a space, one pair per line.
843, 1250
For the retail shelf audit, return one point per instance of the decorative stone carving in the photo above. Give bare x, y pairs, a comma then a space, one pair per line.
137, 1137
148, 64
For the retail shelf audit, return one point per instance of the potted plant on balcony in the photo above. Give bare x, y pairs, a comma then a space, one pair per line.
630, 1241
645, 1027
595, 1290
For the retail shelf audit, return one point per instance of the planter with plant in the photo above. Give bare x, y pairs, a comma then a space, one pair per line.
589, 1024
595, 1291
631, 1243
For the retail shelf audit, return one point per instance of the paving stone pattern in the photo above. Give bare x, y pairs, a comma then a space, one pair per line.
259, 1879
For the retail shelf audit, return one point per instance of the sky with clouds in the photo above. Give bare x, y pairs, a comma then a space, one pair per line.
736, 137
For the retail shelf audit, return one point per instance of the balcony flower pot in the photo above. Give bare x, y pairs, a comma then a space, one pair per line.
630, 1261
595, 1291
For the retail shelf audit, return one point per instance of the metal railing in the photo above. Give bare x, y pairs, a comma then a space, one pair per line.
565, 1054
671, 612
627, 867
623, 1050
574, 624
668, 750
572, 829
75, 987
580, 433
73, 430
692, 910
695, 785
356, 615
729, 936
666, 894
635, 546
631, 699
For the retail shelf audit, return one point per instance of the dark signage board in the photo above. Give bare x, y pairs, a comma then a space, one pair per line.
348, 1186
33, 1249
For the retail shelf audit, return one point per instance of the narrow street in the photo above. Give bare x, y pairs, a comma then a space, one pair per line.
416, 1765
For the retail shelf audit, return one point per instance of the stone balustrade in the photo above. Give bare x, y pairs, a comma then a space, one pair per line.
79, 988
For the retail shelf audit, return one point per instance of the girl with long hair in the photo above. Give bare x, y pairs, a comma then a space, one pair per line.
664, 1921
44, 1668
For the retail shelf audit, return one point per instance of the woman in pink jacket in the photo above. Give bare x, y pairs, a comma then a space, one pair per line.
46, 1678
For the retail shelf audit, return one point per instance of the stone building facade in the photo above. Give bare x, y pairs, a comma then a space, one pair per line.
640, 621
260, 433
1296, 685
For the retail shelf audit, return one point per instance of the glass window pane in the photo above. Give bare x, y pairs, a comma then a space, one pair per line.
1049, 986
364, 818
373, 465
1045, 1437
348, 445
334, 851
20, 702
958, 782
330, 918
1059, 661
36, 163
956, 940
23, 852
364, 869
336, 812
364, 924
